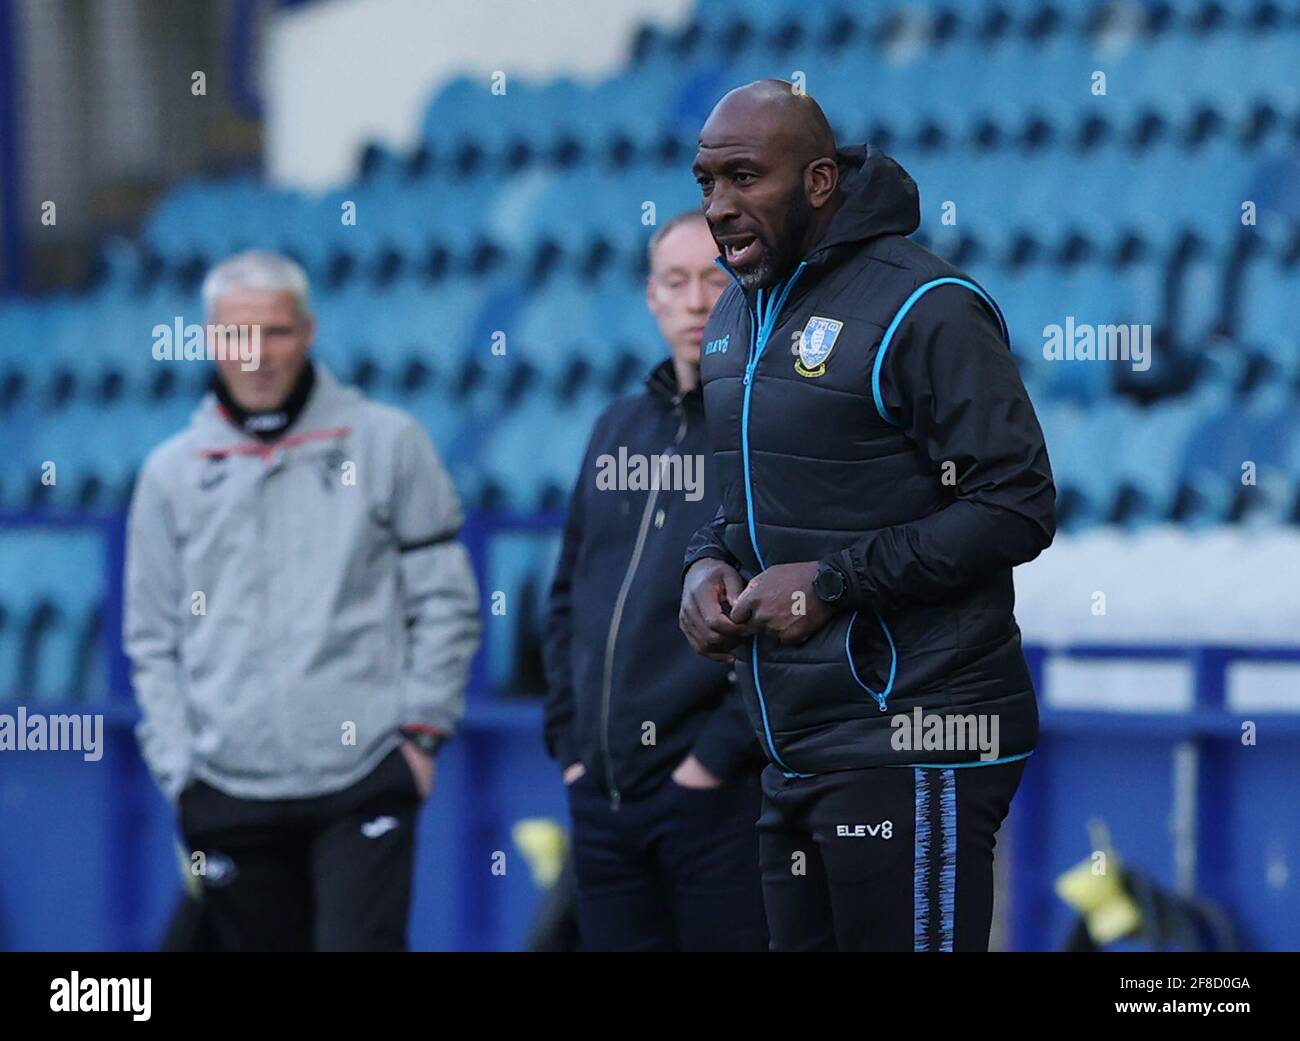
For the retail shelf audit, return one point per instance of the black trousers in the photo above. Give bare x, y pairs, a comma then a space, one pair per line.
331, 873
674, 870
885, 859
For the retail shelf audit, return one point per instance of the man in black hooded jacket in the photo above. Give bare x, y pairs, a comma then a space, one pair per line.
882, 471
661, 766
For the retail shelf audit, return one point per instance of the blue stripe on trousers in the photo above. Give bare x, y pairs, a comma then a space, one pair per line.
934, 860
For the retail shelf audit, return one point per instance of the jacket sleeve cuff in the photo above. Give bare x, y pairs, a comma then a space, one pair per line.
430, 717
722, 758
857, 593
705, 553
561, 749
727, 745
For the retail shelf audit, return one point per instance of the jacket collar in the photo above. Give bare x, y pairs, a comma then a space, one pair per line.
662, 384
324, 408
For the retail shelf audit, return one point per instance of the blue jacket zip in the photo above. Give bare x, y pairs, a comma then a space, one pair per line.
760, 332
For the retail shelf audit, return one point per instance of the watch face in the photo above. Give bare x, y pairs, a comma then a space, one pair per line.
829, 585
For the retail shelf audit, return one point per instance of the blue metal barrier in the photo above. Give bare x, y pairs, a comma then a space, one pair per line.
87, 858
1185, 798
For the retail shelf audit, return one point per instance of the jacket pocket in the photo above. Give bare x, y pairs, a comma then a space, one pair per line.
845, 670
871, 670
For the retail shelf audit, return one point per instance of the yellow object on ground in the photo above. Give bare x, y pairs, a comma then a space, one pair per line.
1095, 889
544, 844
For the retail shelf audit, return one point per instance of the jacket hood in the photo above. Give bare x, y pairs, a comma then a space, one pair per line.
880, 198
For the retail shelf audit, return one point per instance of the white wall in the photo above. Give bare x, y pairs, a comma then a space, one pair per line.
1165, 585
337, 74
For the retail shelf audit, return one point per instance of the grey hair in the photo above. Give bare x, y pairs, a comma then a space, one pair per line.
669, 225
257, 269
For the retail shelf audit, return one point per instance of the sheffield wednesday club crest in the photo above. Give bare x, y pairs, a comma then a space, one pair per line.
815, 343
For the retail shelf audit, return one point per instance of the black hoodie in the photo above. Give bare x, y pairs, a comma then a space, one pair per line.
867, 412
626, 694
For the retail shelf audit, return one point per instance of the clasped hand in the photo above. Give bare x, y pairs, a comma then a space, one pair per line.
719, 609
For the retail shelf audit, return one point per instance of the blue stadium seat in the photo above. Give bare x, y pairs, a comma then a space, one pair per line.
527, 216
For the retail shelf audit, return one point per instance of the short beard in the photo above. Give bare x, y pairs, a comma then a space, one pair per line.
760, 275
775, 263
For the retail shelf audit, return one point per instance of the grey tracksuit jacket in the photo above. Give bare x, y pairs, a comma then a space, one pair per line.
291, 605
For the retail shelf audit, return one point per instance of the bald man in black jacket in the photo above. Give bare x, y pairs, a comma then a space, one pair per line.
882, 471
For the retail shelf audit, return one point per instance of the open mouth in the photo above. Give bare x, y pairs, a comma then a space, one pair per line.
742, 251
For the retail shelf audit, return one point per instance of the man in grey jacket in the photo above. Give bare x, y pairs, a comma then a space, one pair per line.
301, 618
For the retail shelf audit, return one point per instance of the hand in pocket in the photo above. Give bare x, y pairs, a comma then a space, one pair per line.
423, 768
690, 773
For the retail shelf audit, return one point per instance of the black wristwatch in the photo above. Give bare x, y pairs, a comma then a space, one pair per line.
427, 739
829, 585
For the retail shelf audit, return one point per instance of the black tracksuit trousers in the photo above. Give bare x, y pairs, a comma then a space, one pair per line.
883, 859
675, 869
330, 873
